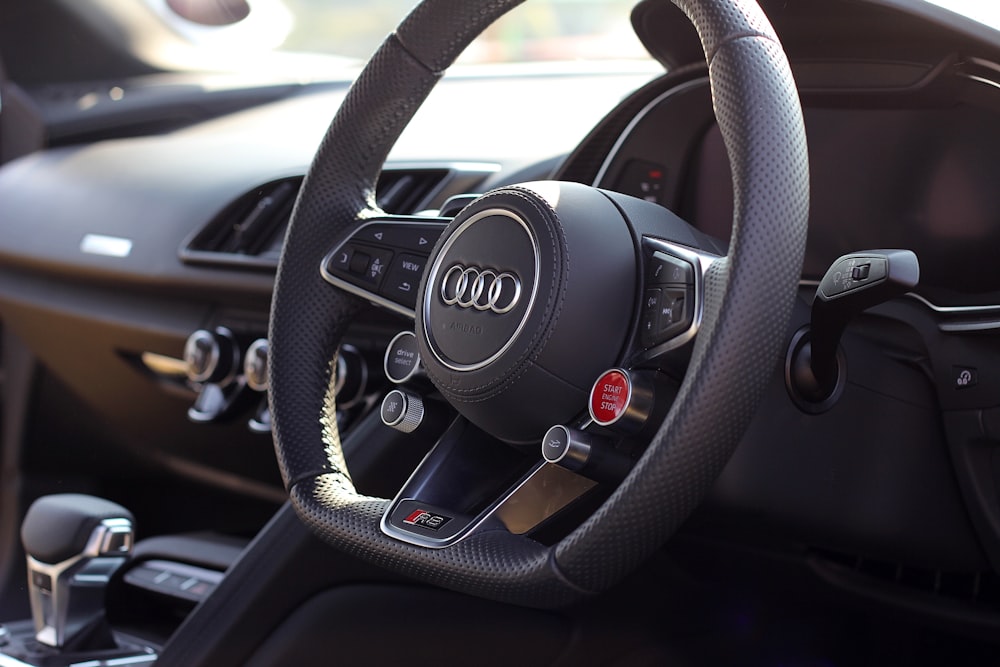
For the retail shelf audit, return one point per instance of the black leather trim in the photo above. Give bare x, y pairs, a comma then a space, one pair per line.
57, 527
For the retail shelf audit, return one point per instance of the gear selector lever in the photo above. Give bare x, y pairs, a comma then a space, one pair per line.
74, 544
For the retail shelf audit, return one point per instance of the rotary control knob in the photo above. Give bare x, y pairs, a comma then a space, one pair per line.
255, 365
212, 357
402, 410
584, 453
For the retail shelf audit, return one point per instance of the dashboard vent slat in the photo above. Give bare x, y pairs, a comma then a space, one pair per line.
269, 210
249, 232
403, 192
249, 222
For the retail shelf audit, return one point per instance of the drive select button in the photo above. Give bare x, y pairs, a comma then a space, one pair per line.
402, 357
609, 397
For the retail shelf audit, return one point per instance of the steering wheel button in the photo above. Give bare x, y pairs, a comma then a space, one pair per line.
359, 262
401, 290
649, 324
375, 233
585, 453
340, 261
376, 268
670, 311
652, 301
383, 234
609, 397
419, 238
401, 236
411, 265
674, 313
404, 278
555, 444
393, 407
666, 269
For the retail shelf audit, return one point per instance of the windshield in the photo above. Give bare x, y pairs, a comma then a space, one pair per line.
351, 30
548, 30
986, 12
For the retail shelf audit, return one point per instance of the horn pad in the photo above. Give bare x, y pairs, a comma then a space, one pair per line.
529, 297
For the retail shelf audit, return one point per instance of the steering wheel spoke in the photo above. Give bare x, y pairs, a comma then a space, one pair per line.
384, 260
471, 482
672, 302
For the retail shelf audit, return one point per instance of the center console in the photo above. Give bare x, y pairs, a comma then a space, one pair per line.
98, 599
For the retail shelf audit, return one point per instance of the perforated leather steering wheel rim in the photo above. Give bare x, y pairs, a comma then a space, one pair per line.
748, 299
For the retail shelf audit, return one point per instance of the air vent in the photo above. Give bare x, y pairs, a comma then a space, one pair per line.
405, 192
249, 232
250, 221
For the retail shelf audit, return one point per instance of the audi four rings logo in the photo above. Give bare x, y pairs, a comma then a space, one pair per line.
482, 289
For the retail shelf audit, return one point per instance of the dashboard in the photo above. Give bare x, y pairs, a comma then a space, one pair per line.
156, 237
905, 173
906, 162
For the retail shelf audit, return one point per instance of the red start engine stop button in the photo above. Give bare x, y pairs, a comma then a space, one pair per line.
610, 397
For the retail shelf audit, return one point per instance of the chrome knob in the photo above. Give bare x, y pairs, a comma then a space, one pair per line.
255, 365
212, 357
402, 410
585, 453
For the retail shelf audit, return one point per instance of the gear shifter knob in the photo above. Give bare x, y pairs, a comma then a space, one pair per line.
74, 544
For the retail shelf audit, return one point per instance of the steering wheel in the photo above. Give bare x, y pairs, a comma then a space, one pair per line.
525, 298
